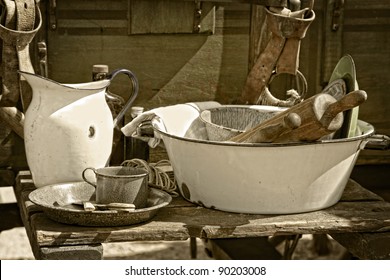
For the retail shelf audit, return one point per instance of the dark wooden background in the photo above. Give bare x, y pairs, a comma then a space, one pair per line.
176, 61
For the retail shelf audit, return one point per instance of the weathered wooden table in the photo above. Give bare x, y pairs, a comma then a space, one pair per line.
360, 222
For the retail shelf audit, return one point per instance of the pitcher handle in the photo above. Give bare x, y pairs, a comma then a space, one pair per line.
133, 95
85, 178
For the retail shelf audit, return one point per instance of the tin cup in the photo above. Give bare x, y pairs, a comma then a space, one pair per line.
119, 184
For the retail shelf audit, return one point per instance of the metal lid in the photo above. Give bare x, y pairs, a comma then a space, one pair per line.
100, 68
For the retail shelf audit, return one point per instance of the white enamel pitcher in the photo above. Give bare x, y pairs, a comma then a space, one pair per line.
69, 127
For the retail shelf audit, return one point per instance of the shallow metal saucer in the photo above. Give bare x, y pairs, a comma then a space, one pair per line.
56, 202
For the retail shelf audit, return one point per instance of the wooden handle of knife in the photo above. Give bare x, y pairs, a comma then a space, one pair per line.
347, 102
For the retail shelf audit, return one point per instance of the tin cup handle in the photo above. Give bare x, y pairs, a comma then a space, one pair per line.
85, 178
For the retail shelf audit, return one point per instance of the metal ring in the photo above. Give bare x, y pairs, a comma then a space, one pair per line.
300, 81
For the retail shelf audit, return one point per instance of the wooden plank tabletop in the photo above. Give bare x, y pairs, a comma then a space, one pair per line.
359, 210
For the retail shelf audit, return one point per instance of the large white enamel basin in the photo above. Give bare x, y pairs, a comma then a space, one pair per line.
258, 178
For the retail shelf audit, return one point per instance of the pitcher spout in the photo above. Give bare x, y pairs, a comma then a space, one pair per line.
37, 81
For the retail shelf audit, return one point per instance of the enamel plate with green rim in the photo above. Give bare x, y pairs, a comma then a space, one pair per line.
345, 69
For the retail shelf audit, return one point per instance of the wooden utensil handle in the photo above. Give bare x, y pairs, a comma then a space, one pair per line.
347, 102
269, 133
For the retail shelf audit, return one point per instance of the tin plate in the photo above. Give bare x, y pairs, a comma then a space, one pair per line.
56, 202
345, 69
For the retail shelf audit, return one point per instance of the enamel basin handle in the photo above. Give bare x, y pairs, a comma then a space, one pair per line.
133, 95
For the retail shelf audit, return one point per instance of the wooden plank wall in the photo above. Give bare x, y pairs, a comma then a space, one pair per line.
367, 39
177, 65
173, 62
160, 17
173, 66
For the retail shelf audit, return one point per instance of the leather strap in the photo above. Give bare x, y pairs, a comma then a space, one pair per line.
9, 14
261, 72
17, 35
281, 54
9, 96
25, 15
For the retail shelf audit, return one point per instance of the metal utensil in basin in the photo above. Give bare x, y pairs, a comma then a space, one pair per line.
225, 122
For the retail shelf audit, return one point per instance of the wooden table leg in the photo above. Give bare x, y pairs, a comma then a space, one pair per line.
28, 210
369, 246
193, 248
251, 248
